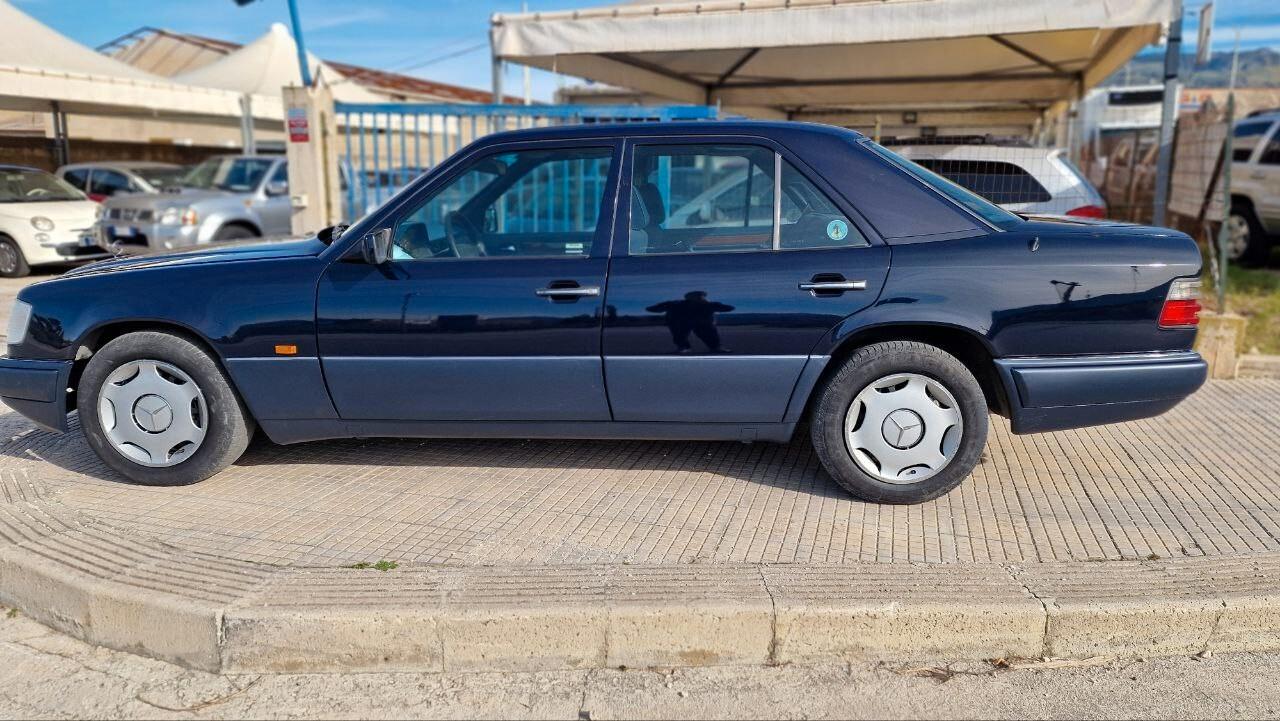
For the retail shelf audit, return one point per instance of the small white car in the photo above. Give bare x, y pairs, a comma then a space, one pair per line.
1255, 188
1023, 179
43, 221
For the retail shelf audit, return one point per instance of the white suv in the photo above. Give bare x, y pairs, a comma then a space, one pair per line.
1255, 188
1023, 179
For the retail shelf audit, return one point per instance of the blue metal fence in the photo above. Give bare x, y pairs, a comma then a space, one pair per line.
387, 145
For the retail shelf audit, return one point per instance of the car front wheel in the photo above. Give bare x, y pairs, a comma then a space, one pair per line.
157, 409
900, 422
13, 264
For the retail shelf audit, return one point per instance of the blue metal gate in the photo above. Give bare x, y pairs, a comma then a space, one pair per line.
387, 145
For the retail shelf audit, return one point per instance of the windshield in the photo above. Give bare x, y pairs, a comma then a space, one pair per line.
34, 186
239, 175
976, 204
162, 177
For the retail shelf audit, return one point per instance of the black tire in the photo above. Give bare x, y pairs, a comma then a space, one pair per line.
13, 264
1258, 248
865, 367
229, 425
234, 232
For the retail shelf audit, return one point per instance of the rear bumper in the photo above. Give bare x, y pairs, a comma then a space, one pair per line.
1052, 394
37, 390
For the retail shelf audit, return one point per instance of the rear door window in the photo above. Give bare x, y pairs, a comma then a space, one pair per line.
1246, 138
728, 198
77, 177
1271, 153
1000, 182
109, 182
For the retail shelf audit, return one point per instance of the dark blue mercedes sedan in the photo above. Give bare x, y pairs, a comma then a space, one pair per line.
724, 281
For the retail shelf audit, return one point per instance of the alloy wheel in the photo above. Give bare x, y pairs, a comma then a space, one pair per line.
903, 428
153, 413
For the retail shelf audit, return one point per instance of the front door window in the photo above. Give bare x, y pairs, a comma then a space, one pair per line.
529, 203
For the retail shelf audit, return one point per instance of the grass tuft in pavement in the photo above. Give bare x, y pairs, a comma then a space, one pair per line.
379, 566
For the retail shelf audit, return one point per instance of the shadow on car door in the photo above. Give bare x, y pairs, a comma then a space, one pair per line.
730, 265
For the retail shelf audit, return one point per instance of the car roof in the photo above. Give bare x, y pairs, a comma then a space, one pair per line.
9, 166
973, 152
126, 164
764, 128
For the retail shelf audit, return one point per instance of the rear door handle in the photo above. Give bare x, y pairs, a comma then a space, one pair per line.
833, 286
590, 291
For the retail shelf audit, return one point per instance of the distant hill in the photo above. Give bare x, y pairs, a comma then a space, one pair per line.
1258, 69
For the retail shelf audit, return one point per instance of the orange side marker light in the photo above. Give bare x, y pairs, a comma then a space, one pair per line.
286, 350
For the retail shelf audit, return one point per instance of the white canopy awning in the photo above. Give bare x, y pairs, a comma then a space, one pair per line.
791, 58
40, 67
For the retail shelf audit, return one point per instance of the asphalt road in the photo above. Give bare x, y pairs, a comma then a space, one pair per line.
44, 674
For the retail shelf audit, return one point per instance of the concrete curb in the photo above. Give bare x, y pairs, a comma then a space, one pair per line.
220, 615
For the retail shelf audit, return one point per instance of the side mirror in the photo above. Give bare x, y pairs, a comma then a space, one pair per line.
278, 187
376, 247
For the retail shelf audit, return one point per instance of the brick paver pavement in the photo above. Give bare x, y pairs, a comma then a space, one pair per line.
1202, 480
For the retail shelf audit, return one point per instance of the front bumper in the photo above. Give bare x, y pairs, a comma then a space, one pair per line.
37, 389
133, 238
61, 246
1053, 394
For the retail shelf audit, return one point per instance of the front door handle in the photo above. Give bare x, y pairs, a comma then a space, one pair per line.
833, 286
590, 291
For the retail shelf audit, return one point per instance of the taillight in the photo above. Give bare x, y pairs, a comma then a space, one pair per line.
1088, 211
1182, 304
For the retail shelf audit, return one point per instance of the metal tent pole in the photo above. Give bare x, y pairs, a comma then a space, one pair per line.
1168, 114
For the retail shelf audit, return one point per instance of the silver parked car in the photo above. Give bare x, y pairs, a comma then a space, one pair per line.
1018, 177
1254, 222
225, 198
104, 179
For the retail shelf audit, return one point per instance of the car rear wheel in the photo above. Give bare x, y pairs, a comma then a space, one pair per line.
157, 409
1247, 241
900, 422
13, 264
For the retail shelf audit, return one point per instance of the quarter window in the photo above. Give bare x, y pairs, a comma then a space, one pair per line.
534, 203
724, 198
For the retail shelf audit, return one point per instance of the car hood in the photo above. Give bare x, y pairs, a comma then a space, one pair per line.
201, 256
181, 197
59, 211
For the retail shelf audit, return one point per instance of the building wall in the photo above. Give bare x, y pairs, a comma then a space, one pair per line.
38, 152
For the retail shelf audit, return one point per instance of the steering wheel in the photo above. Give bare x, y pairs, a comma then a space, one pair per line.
37, 192
469, 229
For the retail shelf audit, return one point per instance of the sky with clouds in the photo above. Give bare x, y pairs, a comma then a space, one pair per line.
445, 39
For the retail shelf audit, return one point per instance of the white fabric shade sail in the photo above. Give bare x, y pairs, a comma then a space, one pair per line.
267, 64
796, 58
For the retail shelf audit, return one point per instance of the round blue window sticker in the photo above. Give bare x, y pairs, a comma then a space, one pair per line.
837, 229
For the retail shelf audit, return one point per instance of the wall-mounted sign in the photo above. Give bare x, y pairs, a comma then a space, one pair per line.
299, 130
